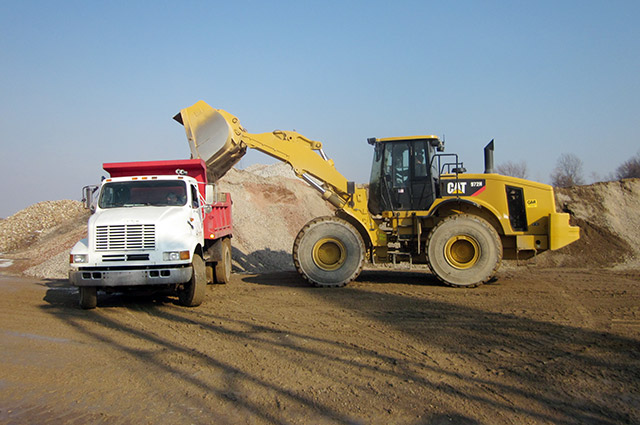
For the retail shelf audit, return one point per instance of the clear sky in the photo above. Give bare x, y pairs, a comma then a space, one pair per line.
87, 82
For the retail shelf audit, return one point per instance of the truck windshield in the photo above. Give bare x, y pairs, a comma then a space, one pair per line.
139, 193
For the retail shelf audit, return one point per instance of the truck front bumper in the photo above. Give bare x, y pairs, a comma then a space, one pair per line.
161, 276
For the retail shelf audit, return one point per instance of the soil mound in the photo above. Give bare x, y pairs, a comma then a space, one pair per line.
609, 220
36, 241
270, 206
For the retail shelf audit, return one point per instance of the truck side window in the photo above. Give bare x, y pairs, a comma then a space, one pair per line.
195, 202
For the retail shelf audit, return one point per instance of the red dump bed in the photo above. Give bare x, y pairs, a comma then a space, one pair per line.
218, 222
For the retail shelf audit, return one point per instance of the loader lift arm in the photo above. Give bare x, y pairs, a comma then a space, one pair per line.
218, 138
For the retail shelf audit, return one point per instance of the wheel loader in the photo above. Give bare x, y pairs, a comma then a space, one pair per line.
421, 207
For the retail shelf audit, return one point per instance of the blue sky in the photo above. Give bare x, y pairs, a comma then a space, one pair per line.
84, 83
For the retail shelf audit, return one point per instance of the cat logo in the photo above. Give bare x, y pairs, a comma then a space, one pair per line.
456, 188
465, 187
532, 203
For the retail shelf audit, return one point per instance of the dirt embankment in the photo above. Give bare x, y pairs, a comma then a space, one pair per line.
608, 215
270, 205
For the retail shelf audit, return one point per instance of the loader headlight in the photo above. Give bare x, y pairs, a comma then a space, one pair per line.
176, 255
78, 258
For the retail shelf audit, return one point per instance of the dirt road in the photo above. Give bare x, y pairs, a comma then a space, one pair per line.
535, 347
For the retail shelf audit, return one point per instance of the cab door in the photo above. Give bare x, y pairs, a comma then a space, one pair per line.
423, 185
196, 218
398, 172
408, 176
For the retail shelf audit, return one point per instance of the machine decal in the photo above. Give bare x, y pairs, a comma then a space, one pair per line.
463, 187
532, 203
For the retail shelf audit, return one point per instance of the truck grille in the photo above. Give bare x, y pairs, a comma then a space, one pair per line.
125, 236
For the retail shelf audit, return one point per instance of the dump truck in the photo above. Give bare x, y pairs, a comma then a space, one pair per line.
156, 225
421, 206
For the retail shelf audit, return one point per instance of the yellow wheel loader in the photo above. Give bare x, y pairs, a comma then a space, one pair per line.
421, 206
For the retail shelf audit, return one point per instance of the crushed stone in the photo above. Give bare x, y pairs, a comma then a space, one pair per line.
270, 206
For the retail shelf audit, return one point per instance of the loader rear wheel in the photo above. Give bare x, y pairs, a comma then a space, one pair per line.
88, 297
464, 251
192, 294
328, 252
223, 267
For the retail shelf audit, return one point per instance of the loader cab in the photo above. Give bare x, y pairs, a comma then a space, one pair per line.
404, 175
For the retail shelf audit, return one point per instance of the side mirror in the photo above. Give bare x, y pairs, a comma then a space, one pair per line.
209, 194
87, 197
438, 144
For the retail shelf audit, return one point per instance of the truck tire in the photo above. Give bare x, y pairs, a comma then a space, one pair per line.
464, 251
88, 297
223, 267
328, 252
192, 294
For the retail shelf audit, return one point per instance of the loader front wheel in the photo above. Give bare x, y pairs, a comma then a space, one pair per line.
192, 293
329, 252
464, 251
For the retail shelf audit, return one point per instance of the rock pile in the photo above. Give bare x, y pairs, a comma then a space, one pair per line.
270, 206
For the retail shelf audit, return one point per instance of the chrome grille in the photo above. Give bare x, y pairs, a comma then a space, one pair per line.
125, 237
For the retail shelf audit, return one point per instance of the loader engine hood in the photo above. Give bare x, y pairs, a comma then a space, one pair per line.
212, 138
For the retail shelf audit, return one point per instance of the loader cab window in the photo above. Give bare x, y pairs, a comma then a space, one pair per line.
397, 164
402, 176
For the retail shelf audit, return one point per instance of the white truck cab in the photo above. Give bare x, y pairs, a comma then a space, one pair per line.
149, 230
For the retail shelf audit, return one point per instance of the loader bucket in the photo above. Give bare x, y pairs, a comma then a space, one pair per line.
210, 133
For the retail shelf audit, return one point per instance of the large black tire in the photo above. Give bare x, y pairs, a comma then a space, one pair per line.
88, 297
329, 252
223, 267
464, 251
193, 292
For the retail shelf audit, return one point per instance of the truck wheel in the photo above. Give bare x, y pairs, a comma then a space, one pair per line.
193, 292
464, 251
223, 267
88, 297
328, 251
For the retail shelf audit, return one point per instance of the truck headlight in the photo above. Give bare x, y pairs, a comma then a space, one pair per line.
176, 255
78, 258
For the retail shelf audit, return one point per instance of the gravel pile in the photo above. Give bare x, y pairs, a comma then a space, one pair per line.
270, 206
280, 169
27, 226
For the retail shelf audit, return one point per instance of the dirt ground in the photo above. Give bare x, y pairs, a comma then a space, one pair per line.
538, 346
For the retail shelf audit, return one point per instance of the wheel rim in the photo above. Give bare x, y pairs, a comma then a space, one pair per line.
462, 251
329, 254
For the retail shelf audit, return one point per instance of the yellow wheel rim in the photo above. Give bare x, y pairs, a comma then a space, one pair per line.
329, 254
462, 251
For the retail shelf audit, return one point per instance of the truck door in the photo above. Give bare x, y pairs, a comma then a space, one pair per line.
196, 213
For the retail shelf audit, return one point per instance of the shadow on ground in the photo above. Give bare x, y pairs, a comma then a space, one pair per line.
545, 372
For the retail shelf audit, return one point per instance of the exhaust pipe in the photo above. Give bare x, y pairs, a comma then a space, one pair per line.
488, 158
